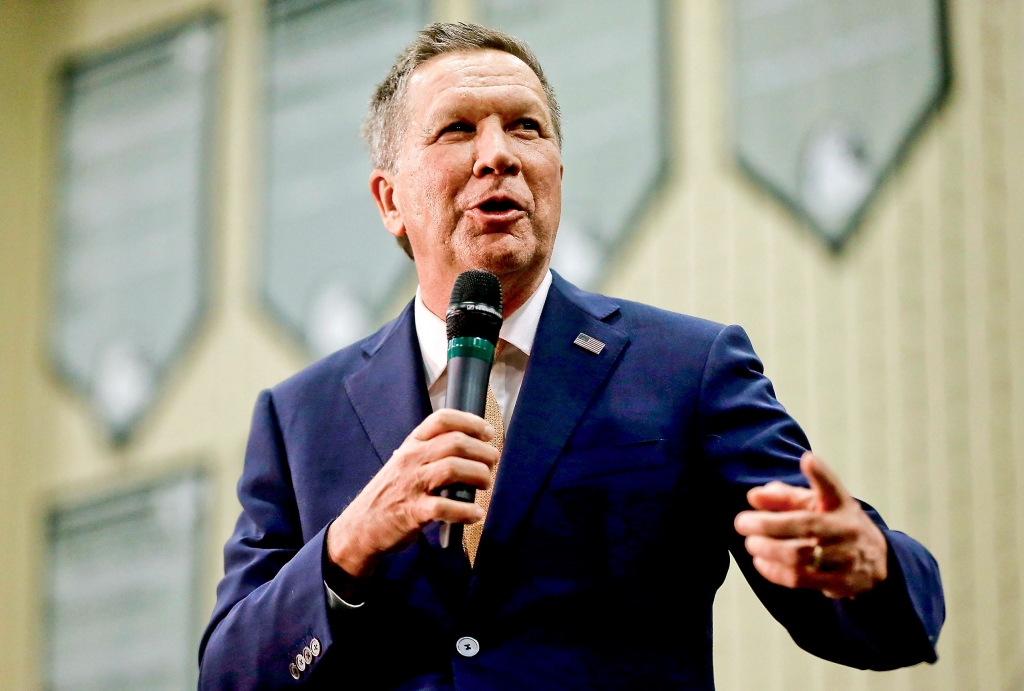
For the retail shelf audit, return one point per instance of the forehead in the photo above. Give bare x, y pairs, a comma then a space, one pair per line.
473, 78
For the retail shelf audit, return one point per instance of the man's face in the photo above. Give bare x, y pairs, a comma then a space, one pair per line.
478, 178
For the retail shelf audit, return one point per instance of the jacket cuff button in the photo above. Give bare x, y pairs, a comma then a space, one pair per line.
294, 671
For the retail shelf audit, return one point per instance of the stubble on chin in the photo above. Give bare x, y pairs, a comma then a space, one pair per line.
499, 255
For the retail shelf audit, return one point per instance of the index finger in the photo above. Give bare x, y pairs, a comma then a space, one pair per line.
789, 524
451, 420
776, 496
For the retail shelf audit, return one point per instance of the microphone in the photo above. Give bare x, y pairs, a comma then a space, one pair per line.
474, 320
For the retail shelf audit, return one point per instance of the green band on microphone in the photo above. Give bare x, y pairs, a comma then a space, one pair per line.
471, 346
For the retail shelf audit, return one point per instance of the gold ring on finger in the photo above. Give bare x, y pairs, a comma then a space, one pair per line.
816, 556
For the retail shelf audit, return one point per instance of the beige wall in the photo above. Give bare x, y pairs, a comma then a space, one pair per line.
24, 458
903, 357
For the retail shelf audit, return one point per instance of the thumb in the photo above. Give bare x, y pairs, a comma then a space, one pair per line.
827, 488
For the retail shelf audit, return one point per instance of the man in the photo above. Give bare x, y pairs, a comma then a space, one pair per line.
623, 479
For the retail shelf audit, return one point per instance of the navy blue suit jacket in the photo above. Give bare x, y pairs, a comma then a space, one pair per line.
607, 537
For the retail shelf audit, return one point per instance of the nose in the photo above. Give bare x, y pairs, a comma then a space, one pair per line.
494, 153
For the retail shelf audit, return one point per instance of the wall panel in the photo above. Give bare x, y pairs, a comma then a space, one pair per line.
901, 356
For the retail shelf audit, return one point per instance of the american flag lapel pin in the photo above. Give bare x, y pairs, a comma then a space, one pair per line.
589, 344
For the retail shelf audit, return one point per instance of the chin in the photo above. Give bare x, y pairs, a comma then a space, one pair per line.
501, 263
502, 257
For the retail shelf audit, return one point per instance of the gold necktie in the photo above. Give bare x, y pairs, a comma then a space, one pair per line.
492, 413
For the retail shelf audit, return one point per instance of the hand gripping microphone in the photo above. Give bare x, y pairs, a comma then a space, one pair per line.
474, 320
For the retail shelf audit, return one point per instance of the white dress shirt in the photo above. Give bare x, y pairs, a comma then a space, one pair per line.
507, 372
509, 367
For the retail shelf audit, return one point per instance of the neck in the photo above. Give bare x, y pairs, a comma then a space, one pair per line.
516, 289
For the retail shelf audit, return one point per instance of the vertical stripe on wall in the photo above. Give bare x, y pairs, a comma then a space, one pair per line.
903, 356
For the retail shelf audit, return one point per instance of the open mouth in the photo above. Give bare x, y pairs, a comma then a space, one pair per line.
497, 206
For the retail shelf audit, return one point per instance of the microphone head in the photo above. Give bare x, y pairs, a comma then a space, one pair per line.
475, 307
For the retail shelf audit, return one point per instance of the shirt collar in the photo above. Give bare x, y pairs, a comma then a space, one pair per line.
518, 330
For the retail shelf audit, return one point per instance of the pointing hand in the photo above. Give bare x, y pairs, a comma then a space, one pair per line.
818, 538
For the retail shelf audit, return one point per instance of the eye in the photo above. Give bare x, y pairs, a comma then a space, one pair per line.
457, 127
526, 128
528, 124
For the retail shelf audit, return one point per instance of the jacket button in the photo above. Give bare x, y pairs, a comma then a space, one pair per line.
307, 655
300, 662
314, 647
467, 646
294, 671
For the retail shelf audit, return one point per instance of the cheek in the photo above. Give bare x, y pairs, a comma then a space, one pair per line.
448, 166
544, 173
547, 190
555, 194
427, 190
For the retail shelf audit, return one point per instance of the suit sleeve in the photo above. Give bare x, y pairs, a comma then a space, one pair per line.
271, 602
749, 439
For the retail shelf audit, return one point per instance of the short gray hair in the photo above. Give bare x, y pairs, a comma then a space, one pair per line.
383, 126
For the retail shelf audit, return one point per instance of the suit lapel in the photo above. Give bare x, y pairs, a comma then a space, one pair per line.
389, 394
390, 398
561, 380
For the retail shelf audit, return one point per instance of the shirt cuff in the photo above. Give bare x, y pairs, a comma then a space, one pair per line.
336, 603
336, 580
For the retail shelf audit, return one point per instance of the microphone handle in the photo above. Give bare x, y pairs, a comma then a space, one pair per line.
467, 384
468, 378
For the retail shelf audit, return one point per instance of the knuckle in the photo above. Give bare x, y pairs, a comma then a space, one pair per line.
415, 513
438, 421
463, 444
426, 509
815, 524
427, 428
424, 474
452, 444
441, 446
445, 468
401, 455
445, 414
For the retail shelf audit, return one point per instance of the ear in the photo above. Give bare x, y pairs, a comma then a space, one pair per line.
383, 190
